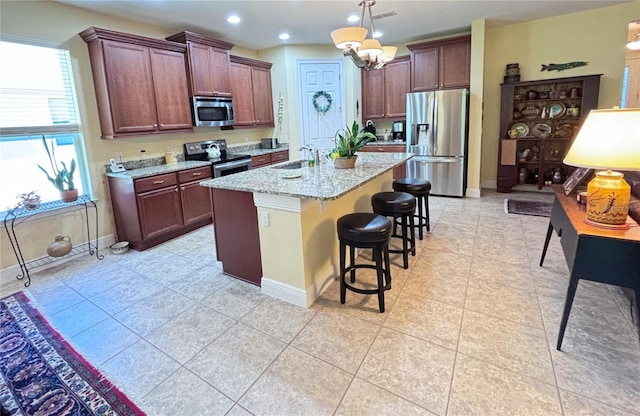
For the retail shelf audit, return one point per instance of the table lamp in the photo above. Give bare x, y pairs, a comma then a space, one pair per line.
608, 139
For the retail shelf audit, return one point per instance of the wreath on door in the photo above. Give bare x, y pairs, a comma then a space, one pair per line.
322, 101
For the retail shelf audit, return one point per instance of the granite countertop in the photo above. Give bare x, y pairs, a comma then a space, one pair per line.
323, 182
159, 169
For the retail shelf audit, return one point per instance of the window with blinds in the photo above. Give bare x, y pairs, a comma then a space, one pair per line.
37, 97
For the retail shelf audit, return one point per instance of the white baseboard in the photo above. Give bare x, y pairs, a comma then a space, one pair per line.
473, 193
8, 275
295, 295
284, 292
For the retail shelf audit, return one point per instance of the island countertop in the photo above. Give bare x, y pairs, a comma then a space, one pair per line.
323, 182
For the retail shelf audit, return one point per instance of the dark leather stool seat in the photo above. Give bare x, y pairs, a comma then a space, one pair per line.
365, 230
420, 189
400, 206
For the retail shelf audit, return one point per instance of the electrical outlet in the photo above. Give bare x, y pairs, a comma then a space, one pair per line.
119, 157
143, 154
264, 218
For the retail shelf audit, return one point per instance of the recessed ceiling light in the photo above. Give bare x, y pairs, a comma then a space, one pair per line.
377, 34
353, 18
284, 36
233, 19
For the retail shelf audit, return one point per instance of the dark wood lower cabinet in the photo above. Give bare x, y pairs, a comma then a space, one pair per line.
235, 220
149, 211
159, 212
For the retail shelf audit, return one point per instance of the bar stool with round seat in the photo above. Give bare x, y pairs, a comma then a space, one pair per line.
420, 189
365, 230
399, 206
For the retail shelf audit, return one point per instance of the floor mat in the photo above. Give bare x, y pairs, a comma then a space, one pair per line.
522, 207
41, 374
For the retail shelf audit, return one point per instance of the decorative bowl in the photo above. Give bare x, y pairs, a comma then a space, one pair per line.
120, 247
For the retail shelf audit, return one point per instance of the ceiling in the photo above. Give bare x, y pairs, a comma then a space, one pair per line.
311, 21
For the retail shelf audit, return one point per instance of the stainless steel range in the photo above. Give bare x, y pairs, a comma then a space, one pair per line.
226, 164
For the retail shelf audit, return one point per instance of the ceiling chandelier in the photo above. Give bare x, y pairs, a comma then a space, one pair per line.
365, 53
634, 44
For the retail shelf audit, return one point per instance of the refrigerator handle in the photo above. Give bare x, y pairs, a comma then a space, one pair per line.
434, 124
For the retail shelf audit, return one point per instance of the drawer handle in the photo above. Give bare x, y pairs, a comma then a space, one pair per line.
157, 182
196, 174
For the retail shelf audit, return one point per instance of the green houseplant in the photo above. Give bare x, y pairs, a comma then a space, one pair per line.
348, 142
61, 178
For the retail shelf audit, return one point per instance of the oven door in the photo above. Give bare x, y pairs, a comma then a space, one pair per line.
229, 168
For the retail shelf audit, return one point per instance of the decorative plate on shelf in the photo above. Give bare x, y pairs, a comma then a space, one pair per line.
521, 128
542, 130
530, 112
556, 110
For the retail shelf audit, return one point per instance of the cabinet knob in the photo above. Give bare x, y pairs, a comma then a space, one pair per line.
155, 126
182, 187
161, 125
176, 190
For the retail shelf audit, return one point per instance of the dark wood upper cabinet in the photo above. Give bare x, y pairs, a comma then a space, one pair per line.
252, 93
208, 64
384, 90
441, 64
140, 83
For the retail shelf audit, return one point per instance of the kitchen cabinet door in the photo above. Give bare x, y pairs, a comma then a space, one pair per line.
397, 76
160, 212
425, 70
262, 96
196, 205
373, 98
455, 65
251, 90
131, 100
195, 199
209, 68
242, 91
171, 91
200, 66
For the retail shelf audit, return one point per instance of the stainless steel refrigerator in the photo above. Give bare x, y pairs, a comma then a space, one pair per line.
436, 131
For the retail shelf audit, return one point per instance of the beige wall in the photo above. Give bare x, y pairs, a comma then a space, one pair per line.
596, 36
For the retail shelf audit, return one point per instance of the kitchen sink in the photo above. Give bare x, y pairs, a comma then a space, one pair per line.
293, 165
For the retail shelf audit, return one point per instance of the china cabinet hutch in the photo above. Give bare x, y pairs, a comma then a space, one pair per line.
538, 121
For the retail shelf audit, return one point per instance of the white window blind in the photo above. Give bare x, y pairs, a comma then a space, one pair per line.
37, 97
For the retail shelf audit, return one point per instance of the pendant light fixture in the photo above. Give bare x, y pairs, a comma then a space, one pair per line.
365, 53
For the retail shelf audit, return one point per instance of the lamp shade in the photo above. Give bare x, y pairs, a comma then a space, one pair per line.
608, 139
348, 37
388, 53
370, 47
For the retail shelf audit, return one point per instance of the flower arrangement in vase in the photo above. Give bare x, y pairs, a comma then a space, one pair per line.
348, 141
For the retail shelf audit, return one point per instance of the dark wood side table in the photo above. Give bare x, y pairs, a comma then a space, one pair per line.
593, 253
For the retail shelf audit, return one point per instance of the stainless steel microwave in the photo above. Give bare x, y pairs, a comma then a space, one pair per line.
213, 111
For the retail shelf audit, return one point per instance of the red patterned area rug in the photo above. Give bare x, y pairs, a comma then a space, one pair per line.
537, 208
41, 374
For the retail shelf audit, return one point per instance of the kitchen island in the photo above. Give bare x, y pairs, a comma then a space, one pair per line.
276, 227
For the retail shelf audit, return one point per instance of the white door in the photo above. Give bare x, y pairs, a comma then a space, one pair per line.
321, 96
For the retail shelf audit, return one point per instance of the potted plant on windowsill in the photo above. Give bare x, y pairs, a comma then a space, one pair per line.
348, 142
61, 178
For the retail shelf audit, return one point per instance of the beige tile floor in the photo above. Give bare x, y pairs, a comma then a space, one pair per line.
469, 329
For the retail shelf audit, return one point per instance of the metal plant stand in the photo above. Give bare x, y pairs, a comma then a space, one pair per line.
16, 216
